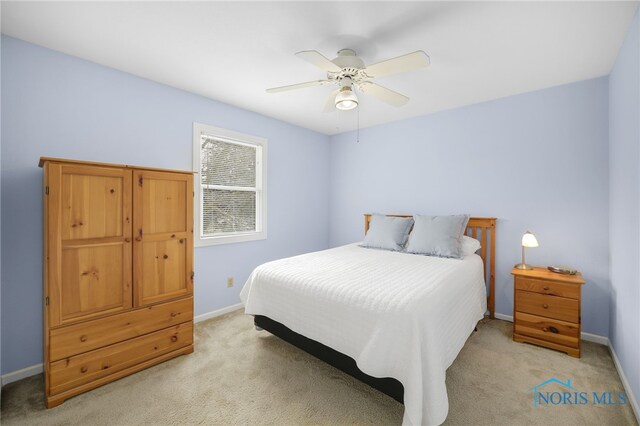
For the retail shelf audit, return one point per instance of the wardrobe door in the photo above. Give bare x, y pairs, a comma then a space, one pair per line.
89, 242
163, 243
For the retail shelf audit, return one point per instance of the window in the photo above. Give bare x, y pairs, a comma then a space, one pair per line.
231, 182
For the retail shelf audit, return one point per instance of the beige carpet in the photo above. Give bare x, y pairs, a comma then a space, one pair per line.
240, 376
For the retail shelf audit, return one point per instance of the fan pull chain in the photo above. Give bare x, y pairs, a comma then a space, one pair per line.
358, 131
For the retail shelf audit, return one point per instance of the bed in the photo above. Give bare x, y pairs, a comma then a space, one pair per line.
396, 321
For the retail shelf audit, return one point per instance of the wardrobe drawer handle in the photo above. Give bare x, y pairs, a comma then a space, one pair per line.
83, 338
174, 338
545, 288
545, 306
84, 369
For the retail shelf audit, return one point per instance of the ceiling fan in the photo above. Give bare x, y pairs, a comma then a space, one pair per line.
348, 70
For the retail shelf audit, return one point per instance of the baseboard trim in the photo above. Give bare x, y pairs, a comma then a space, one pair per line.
23, 373
627, 387
504, 317
595, 338
218, 312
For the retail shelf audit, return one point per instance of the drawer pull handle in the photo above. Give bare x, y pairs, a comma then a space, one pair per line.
553, 330
83, 338
545, 288
84, 369
545, 329
174, 314
174, 338
545, 306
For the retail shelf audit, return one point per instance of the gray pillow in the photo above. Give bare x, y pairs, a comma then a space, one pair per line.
389, 233
438, 235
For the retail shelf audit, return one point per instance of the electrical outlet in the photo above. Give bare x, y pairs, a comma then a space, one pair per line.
229, 281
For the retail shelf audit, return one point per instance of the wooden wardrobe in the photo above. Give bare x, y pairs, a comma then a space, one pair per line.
118, 272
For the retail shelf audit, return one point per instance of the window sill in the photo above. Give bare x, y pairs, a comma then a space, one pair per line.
229, 239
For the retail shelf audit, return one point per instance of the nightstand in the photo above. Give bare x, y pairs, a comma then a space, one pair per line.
546, 309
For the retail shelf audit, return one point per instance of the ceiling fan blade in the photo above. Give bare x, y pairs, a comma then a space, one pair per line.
298, 86
382, 93
330, 106
404, 63
317, 59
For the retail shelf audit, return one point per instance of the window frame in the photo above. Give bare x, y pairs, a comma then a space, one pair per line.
230, 136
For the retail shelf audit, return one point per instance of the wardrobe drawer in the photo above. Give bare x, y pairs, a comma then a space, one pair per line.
556, 307
75, 371
561, 332
79, 338
571, 291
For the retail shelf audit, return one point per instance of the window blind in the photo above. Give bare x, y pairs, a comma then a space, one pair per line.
230, 188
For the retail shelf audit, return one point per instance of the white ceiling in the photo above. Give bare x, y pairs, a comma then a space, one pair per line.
233, 51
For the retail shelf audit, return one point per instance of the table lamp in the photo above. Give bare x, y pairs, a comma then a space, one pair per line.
528, 240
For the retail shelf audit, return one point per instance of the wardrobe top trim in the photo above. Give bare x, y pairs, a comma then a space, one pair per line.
44, 160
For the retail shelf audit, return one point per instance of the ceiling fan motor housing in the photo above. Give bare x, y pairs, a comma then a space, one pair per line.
347, 59
351, 68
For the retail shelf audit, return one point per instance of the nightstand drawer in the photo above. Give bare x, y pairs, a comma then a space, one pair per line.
561, 308
548, 287
561, 332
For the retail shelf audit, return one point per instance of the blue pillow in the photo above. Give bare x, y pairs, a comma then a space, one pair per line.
438, 235
389, 233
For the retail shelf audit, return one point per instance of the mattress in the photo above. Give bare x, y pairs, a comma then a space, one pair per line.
397, 315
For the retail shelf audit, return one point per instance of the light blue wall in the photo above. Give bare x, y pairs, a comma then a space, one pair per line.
536, 161
624, 207
57, 105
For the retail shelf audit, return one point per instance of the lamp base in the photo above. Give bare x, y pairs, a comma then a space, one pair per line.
523, 266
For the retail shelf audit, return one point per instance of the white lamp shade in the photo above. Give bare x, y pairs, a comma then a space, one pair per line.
346, 99
529, 240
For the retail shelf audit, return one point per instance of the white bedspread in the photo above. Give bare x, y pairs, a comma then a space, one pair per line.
398, 315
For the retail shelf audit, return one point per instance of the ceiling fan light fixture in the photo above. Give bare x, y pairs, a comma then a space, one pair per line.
346, 99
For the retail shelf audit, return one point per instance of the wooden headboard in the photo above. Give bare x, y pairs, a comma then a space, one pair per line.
478, 228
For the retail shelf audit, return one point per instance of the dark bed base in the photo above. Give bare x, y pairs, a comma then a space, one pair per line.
342, 362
